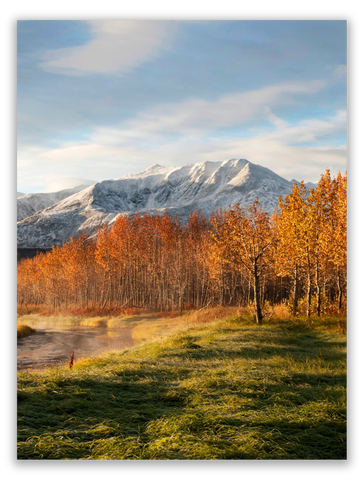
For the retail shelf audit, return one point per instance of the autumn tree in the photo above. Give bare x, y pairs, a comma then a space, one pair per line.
332, 203
247, 239
78, 258
110, 257
339, 226
291, 253
311, 231
155, 261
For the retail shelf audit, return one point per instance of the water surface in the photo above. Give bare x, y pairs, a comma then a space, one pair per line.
50, 345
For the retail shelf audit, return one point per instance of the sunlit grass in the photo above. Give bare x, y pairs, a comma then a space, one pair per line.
73, 321
228, 389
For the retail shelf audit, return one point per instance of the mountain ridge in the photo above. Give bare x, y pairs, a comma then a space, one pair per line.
31, 203
178, 190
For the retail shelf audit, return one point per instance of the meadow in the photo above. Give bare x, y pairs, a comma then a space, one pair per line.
225, 389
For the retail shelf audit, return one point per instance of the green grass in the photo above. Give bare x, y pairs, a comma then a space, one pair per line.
225, 390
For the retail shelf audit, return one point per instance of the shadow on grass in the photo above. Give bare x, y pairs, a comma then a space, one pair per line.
306, 347
177, 404
143, 385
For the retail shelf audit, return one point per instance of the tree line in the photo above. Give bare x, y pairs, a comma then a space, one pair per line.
234, 257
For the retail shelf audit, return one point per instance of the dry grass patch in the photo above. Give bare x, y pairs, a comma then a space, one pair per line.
24, 330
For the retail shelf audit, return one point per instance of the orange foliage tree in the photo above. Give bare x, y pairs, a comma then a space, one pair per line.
311, 233
157, 262
247, 241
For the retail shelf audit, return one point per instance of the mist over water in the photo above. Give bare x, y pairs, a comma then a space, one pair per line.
51, 346
53, 341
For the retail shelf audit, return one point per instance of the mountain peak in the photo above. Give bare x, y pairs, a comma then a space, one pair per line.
153, 167
206, 186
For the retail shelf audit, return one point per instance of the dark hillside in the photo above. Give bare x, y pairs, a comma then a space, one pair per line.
29, 252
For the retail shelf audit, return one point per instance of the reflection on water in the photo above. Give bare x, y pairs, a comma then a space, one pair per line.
53, 342
51, 346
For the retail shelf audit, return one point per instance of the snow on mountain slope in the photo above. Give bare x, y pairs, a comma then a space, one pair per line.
29, 204
19, 194
178, 190
308, 185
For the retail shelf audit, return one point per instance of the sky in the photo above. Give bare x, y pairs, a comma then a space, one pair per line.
100, 99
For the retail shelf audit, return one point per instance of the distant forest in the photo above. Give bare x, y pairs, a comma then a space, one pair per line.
235, 257
30, 252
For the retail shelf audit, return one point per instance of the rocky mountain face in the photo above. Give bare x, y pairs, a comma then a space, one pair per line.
178, 190
29, 204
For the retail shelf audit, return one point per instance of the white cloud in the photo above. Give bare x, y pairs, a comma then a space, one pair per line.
77, 152
115, 151
41, 170
278, 122
340, 71
101, 162
55, 184
117, 45
280, 151
311, 130
195, 117
275, 151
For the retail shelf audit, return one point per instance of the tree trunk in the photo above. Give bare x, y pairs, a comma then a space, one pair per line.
295, 305
258, 312
308, 294
318, 291
340, 290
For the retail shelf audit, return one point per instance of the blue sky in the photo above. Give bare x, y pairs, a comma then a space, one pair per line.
100, 99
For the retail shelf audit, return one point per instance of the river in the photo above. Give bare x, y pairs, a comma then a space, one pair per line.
50, 346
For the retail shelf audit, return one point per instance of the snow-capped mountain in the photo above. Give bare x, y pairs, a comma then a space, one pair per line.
29, 204
308, 185
178, 190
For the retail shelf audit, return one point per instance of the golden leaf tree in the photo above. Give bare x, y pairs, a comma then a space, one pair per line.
247, 240
290, 258
332, 194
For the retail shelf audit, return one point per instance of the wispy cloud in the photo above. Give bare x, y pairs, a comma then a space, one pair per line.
340, 71
278, 122
54, 184
197, 117
71, 163
311, 130
117, 45
282, 150
197, 91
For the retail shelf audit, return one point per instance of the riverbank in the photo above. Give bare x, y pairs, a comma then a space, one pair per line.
56, 337
224, 390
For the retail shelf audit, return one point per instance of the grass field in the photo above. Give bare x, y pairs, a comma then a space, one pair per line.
228, 389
